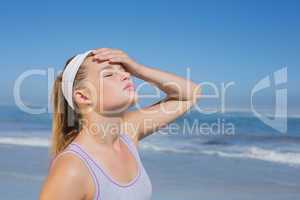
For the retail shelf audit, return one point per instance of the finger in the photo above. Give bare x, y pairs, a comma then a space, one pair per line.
110, 51
105, 51
117, 59
103, 58
99, 60
108, 55
118, 51
100, 50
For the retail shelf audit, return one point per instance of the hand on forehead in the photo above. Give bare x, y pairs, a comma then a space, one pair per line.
103, 64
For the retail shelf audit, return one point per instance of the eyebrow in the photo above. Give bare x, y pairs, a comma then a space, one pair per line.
110, 67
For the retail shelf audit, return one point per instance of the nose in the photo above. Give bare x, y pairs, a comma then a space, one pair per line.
125, 75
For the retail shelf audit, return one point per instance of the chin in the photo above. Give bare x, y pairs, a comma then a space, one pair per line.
135, 99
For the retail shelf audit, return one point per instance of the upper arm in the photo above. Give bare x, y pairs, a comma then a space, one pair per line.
65, 180
142, 122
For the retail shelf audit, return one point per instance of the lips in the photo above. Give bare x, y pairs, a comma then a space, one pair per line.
129, 86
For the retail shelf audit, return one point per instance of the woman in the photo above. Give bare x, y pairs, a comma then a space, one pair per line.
95, 138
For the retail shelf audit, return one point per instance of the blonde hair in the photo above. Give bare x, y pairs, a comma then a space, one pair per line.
66, 121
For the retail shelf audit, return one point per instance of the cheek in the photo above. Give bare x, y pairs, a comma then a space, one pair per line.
110, 90
111, 95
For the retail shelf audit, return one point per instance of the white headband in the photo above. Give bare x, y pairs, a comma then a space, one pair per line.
69, 76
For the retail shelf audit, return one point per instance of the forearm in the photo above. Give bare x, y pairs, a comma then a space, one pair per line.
174, 86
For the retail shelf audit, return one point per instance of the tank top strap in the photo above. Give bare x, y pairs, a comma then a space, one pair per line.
99, 168
85, 161
138, 188
130, 144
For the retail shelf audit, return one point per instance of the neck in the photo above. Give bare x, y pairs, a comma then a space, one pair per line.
101, 129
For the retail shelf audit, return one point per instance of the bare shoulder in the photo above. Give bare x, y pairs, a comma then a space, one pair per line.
66, 179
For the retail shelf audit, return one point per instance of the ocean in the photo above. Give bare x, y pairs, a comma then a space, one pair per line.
224, 156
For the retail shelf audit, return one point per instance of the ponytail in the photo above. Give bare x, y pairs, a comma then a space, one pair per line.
65, 123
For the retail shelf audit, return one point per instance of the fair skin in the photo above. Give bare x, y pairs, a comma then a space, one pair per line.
105, 105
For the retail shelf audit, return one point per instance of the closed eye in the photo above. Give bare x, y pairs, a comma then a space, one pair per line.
110, 72
108, 75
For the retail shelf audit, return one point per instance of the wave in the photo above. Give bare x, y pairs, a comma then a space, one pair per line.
291, 158
243, 152
26, 141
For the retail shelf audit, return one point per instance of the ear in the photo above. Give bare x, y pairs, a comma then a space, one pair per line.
81, 97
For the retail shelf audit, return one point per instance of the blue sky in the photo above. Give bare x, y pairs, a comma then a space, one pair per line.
221, 41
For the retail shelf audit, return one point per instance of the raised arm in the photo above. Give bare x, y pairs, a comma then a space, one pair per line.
181, 93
